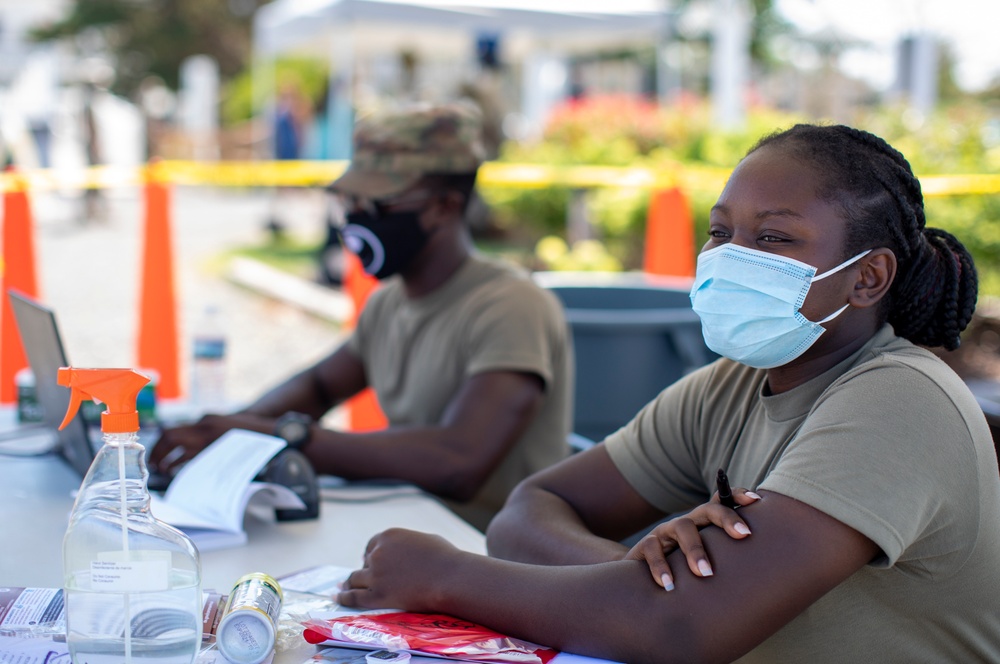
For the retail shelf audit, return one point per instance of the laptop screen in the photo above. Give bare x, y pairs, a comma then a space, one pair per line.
43, 346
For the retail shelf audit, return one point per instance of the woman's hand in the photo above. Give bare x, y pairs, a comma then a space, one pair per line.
401, 571
683, 532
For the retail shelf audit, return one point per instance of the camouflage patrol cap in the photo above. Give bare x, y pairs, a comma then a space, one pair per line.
395, 148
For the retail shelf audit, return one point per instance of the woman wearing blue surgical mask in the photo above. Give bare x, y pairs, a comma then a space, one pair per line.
749, 303
875, 494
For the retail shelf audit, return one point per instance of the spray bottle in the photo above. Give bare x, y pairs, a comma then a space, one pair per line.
133, 584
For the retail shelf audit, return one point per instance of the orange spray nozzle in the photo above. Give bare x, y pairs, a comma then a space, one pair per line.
116, 388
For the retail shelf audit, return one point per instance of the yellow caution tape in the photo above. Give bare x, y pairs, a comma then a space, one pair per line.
491, 174
250, 173
958, 185
97, 177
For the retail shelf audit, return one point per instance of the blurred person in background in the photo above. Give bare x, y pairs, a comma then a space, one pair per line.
292, 118
93, 199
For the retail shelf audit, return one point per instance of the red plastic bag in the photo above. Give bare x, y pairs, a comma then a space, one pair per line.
430, 633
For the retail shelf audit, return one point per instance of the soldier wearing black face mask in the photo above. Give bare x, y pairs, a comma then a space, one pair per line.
386, 242
469, 359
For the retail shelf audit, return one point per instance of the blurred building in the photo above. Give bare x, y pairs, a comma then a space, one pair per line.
916, 71
525, 56
17, 17
29, 80
47, 91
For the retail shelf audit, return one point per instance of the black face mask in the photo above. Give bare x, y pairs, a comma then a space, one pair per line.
387, 243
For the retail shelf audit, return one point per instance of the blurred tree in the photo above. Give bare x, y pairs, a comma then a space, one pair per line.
949, 91
767, 23
154, 36
991, 94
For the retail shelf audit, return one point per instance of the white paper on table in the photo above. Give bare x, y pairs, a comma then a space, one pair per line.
417, 656
209, 497
215, 483
46, 651
33, 651
319, 580
569, 658
338, 489
259, 493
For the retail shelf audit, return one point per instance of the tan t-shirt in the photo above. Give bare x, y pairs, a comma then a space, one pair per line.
890, 442
488, 316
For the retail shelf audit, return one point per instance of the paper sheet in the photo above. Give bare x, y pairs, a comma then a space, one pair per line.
16, 650
214, 483
209, 497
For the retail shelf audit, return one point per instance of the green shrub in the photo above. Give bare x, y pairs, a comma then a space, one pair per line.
621, 131
247, 94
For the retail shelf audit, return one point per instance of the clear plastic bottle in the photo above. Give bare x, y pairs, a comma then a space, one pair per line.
132, 583
208, 367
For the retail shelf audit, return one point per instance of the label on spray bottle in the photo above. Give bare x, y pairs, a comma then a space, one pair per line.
130, 571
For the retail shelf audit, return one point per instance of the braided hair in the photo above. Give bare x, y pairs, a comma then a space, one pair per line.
933, 295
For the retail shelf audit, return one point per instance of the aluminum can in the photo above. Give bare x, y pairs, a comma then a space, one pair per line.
249, 626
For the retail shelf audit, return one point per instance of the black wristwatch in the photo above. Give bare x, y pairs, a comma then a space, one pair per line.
295, 428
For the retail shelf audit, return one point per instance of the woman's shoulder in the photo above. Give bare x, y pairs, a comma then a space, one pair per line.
908, 383
915, 367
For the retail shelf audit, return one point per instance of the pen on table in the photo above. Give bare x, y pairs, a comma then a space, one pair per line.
173, 455
725, 491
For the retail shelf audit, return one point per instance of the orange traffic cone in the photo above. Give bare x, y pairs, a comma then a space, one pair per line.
363, 410
669, 235
158, 345
19, 274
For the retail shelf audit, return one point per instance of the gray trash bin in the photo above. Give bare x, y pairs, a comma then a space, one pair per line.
633, 335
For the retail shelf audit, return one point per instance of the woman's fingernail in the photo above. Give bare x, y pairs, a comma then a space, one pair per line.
704, 568
751, 494
741, 528
668, 583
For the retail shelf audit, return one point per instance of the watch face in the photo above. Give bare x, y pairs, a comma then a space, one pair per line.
294, 428
294, 431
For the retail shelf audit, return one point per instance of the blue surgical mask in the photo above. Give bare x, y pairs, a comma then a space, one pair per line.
749, 300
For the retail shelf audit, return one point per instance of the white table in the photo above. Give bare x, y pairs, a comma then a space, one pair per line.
35, 501
36, 498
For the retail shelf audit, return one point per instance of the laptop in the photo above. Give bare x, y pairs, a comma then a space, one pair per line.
80, 441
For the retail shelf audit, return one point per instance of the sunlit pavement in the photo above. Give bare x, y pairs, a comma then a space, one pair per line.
89, 272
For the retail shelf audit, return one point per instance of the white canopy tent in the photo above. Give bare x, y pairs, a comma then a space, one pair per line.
289, 25
364, 39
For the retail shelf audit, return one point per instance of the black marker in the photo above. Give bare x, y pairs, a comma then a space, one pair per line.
725, 491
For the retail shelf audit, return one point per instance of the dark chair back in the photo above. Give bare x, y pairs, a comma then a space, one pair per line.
633, 336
